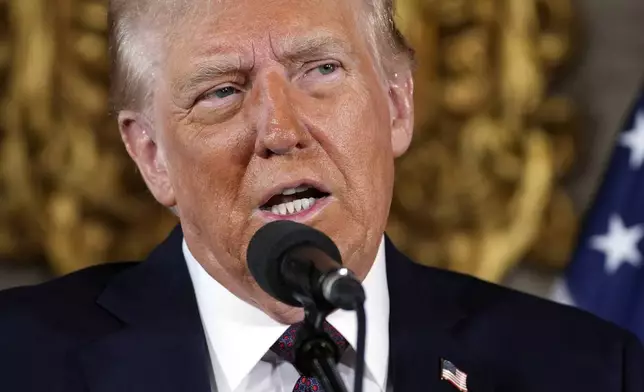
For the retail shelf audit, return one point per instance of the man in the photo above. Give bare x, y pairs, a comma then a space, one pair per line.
241, 112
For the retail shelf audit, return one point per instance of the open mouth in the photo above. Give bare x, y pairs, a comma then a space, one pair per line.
294, 200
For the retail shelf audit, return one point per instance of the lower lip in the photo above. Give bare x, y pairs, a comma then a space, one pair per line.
301, 216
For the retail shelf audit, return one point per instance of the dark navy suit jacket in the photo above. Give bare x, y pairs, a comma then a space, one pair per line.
135, 327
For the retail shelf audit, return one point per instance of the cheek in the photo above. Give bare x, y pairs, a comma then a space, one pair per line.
207, 168
361, 137
366, 130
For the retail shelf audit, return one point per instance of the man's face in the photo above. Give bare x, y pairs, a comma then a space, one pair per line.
271, 110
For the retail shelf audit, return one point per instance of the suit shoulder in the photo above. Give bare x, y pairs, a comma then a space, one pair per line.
62, 295
530, 318
42, 326
514, 328
492, 296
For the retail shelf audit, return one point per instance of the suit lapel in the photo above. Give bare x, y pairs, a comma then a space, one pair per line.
161, 347
428, 322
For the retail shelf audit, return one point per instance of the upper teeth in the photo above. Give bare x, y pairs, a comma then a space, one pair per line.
293, 207
292, 191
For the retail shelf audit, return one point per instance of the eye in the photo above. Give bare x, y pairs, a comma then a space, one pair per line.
322, 73
223, 92
220, 97
327, 69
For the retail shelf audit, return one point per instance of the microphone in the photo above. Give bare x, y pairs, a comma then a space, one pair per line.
301, 266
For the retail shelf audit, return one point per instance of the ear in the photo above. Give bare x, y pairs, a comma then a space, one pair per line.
401, 98
140, 142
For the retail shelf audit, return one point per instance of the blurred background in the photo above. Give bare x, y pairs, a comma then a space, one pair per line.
519, 106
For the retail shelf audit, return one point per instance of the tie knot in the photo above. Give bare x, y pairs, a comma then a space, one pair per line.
285, 345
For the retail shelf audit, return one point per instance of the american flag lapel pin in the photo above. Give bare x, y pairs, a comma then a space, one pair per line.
451, 373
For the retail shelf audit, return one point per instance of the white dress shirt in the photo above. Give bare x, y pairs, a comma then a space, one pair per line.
239, 336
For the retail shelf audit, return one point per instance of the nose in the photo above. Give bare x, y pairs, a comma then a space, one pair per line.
280, 130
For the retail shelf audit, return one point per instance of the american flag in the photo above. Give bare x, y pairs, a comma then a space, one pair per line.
606, 274
452, 374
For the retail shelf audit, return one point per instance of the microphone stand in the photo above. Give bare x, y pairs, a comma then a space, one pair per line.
316, 354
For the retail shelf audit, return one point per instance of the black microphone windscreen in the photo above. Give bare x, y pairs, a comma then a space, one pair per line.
269, 245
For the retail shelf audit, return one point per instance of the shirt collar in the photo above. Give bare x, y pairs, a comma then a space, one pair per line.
238, 334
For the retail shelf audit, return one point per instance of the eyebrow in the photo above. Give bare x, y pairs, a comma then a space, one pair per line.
208, 70
300, 48
297, 49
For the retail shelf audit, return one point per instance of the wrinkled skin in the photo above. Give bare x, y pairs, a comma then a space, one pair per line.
292, 94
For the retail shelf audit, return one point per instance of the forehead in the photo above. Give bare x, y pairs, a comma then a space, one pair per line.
200, 25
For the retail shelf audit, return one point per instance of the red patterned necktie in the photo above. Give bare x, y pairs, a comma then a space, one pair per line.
285, 348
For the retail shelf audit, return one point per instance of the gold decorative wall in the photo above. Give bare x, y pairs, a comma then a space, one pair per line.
476, 193
69, 193
479, 189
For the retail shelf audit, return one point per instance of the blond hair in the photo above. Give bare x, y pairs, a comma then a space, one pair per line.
131, 43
